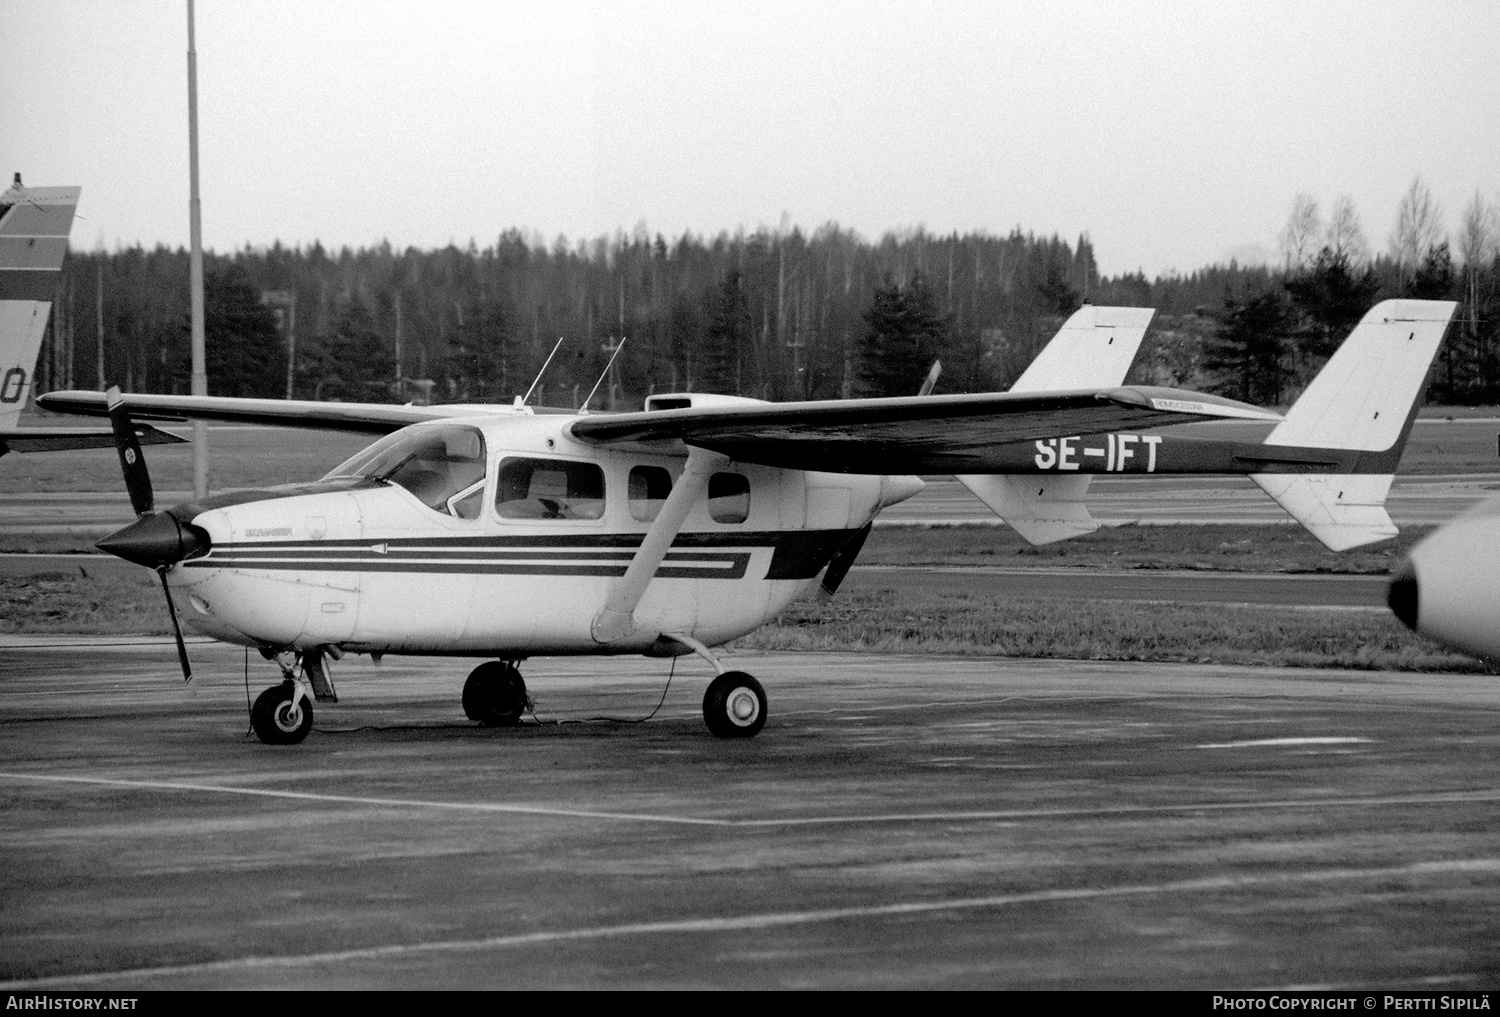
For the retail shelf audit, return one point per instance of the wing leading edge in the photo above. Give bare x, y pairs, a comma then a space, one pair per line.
367, 418
931, 434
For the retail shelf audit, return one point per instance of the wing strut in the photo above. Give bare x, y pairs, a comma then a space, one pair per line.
616, 619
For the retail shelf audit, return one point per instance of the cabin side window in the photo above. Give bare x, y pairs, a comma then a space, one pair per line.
549, 489
648, 490
729, 497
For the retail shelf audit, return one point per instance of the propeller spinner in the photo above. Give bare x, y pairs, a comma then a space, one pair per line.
157, 540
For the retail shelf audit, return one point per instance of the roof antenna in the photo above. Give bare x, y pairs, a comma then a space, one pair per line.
930, 382
618, 347
522, 401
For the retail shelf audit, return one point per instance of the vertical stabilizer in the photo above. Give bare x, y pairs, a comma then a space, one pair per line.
1095, 347
1365, 399
34, 227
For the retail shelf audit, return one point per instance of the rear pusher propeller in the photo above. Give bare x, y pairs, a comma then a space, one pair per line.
157, 540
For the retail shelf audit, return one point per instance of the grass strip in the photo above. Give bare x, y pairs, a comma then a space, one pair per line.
75, 602
1229, 547
956, 622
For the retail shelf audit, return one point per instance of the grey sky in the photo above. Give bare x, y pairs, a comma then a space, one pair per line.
1174, 134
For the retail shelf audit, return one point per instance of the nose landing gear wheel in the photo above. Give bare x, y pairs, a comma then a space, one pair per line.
734, 705
276, 721
495, 695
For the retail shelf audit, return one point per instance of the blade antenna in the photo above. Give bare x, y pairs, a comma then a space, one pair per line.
930, 382
618, 347
557, 346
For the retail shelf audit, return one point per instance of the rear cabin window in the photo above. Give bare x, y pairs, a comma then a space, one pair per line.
549, 489
729, 497
649, 487
442, 466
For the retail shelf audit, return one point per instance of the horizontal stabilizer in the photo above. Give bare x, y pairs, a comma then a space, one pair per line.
1342, 510
1043, 510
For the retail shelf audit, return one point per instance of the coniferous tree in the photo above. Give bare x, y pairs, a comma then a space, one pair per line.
1434, 277
483, 359
726, 344
904, 334
243, 346
1057, 294
1249, 353
1332, 296
352, 363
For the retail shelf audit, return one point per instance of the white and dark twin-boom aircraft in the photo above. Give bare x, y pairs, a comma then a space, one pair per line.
505, 533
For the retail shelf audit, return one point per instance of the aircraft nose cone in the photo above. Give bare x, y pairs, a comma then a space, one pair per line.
1402, 594
156, 540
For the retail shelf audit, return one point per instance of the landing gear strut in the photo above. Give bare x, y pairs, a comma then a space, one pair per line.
734, 705
495, 694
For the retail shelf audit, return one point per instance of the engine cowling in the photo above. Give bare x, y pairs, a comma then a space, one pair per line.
1448, 588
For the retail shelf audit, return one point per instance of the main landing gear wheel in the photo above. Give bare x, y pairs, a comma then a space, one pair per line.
275, 718
495, 695
734, 705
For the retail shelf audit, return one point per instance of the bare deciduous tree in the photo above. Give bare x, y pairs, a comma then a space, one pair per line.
1299, 239
1478, 246
1478, 236
1419, 228
1345, 236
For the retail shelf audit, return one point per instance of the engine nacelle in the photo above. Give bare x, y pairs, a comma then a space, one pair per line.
1448, 588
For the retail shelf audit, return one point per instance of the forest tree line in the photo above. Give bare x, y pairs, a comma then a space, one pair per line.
776, 314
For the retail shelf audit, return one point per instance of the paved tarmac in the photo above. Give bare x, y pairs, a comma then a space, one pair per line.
901, 822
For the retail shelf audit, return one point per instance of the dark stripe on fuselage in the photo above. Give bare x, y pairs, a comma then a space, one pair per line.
795, 554
314, 554
729, 566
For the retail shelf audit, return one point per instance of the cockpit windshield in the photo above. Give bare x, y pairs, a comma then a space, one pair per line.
442, 465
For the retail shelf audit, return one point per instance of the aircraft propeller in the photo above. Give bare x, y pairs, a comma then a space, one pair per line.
157, 540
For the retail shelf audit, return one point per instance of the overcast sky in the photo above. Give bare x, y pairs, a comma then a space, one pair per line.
1174, 134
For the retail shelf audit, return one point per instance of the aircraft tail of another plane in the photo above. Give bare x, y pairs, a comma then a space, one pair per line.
1095, 347
1365, 399
34, 227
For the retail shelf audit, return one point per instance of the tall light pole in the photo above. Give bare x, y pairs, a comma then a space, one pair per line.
195, 269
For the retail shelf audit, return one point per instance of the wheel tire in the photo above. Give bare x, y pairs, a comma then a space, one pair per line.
495, 695
273, 718
734, 705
